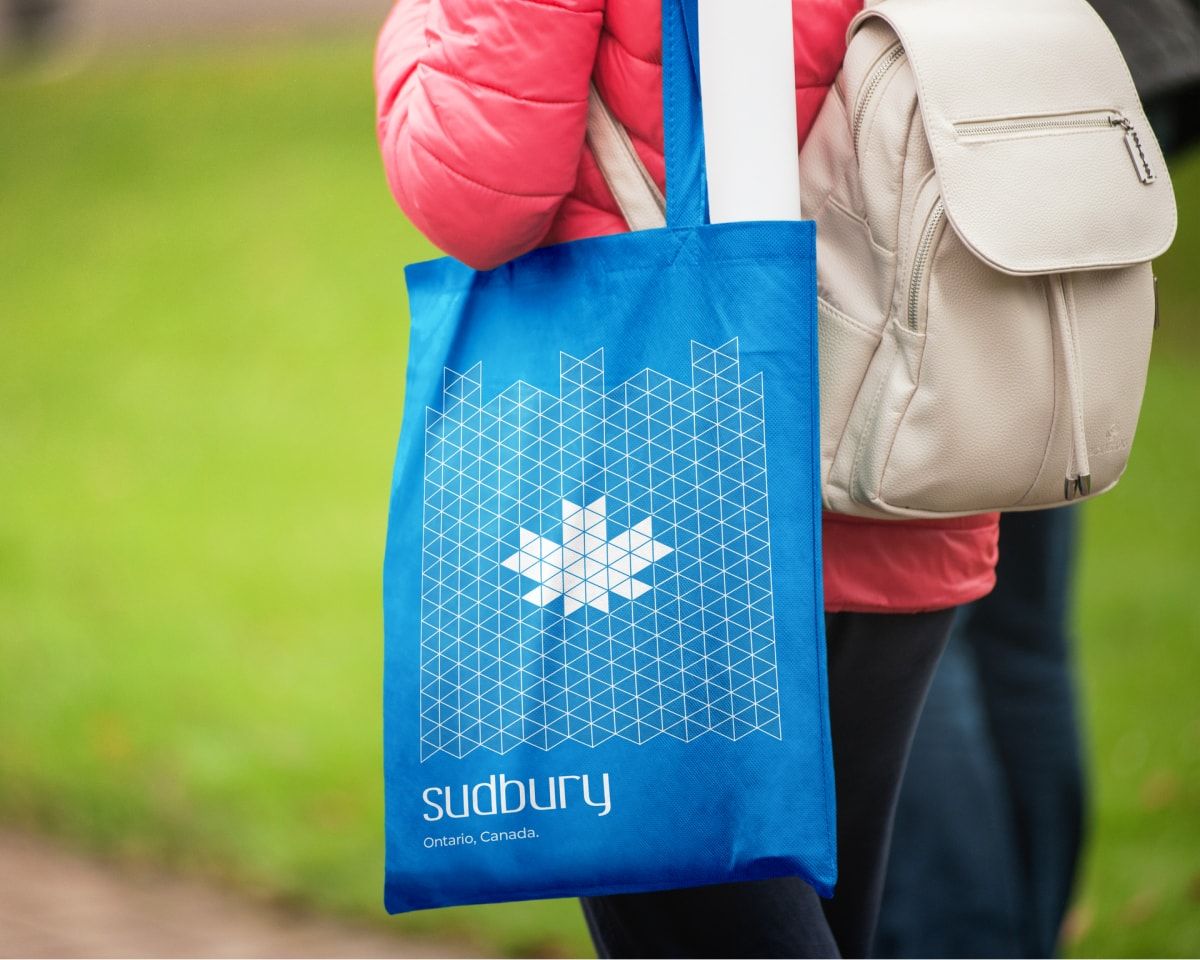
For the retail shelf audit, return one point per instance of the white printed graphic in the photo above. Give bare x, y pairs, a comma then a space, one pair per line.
597, 564
587, 565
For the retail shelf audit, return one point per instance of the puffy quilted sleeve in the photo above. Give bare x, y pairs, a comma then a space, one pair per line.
482, 111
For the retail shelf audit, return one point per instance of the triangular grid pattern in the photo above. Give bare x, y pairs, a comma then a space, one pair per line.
536, 627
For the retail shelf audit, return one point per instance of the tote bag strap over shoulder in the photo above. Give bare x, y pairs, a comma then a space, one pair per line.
636, 193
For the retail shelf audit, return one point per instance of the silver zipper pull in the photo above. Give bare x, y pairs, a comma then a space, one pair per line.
1133, 143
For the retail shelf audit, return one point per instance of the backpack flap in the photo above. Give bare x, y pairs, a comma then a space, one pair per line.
1046, 160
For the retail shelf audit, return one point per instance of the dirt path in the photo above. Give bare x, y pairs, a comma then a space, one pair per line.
54, 903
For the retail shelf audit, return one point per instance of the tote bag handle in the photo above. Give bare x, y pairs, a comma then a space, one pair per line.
683, 136
753, 107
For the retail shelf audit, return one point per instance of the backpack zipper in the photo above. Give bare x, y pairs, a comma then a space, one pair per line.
1095, 120
893, 56
924, 249
1133, 143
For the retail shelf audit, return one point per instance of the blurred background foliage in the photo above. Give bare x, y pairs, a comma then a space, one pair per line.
201, 373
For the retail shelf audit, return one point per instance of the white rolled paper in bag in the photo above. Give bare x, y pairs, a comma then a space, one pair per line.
748, 97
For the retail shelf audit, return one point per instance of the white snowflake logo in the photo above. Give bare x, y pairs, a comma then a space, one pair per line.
588, 565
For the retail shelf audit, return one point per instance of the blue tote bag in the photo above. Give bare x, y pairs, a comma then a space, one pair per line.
605, 660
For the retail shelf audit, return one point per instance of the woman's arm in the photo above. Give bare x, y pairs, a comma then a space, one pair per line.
482, 109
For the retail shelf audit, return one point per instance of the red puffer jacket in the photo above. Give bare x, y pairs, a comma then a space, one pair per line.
482, 107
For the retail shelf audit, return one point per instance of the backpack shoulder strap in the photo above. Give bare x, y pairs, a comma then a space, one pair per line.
637, 195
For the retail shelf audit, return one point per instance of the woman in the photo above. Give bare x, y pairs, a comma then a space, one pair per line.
482, 109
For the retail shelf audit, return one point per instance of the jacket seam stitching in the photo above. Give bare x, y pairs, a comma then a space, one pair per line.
472, 81
608, 31
558, 6
478, 183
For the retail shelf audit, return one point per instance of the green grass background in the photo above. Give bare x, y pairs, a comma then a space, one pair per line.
202, 345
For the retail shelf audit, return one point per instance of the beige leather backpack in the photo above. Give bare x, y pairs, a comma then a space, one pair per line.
988, 197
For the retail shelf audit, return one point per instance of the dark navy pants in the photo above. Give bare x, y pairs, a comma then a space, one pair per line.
880, 666
990, 819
